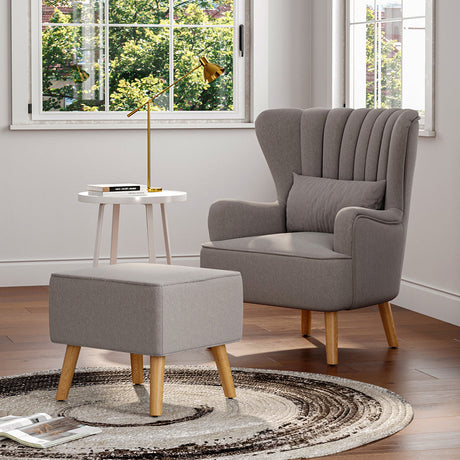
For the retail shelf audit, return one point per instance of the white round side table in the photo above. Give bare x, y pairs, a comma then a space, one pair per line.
148, 200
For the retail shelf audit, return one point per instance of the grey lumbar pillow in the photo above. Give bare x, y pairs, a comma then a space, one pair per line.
313, 202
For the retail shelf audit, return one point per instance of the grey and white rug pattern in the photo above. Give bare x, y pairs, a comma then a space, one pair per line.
276, 415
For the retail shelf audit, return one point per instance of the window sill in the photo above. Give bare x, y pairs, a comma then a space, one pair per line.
118, 125
426, 133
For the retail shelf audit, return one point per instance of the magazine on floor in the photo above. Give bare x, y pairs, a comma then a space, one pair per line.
41, 430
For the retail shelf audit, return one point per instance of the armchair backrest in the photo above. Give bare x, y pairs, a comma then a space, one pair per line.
347, 144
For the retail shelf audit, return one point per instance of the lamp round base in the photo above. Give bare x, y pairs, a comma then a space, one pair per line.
154, 189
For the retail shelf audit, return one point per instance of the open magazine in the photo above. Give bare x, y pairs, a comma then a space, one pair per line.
41, 430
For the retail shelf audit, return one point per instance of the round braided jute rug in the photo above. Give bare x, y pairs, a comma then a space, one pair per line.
276, 415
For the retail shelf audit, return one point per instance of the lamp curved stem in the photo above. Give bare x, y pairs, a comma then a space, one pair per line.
211, 72
164, 90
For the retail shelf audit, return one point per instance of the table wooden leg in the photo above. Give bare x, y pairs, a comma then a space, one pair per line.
150, 234
97, 246
115, 225
166, 233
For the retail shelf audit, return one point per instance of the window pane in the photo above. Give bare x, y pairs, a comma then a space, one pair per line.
203, 12
388, 64
362, 65
71, 11
73, 68
193, 93
414, 8
139, 66
389, 9
138, 11
89, 65
413, 82
361, 10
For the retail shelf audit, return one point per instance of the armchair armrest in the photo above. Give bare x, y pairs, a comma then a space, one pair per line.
236, 219
347, 220
375, 241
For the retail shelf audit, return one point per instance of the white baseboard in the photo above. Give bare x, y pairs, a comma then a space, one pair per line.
429, 301
38, 272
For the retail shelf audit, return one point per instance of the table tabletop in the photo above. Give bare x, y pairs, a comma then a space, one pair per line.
166, 196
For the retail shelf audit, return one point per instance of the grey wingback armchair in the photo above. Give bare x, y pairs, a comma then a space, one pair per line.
334, 240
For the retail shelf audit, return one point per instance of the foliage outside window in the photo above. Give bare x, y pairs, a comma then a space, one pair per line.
110, 55
388, 55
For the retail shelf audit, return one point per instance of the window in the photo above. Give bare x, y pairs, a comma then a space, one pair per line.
96, 60
390, 56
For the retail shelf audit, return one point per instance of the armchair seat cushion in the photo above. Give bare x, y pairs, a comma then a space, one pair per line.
311, 245
297, 270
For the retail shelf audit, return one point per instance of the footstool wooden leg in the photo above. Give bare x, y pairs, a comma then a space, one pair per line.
137, 368
68, 369
225, 373
157, 374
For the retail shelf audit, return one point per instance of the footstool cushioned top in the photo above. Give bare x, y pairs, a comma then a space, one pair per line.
143, 308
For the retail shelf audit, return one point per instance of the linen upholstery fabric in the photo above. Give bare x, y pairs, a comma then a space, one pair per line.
313, 245
342, 144
283, 277
314, 202
235, 219
146, 309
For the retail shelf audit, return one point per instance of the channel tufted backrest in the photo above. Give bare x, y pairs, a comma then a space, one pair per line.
346, 144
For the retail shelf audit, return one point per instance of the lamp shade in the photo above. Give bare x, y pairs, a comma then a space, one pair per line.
210, 71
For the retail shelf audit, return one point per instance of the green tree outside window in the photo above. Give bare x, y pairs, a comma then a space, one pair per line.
73, 56
388, 73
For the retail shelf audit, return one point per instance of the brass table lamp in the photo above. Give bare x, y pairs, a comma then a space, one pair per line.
210, 73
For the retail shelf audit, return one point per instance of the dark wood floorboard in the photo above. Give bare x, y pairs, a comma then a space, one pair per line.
425, 369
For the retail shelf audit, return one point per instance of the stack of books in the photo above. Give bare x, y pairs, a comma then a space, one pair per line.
116, 189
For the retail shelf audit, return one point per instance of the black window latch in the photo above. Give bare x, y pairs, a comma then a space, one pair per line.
241, 40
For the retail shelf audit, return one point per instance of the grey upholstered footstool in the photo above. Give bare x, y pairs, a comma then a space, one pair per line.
146, 309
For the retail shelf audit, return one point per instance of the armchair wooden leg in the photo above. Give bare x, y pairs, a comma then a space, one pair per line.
68, 369
388, 324
157, 375
137, 368
332, 353
305, 322
225, 373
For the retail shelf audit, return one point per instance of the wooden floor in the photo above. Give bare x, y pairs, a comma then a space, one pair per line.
425, 369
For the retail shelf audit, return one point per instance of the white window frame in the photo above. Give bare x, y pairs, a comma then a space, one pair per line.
340, 80
26, 59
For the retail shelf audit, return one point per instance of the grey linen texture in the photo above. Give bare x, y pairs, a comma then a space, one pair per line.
314, 202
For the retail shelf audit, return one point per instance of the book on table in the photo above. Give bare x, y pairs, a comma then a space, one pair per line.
42, 431
116, 188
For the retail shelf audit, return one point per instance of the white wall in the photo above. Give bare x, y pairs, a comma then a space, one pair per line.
431, 274
43, 228
432, 265
321, 56
290, 53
